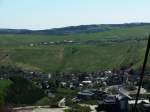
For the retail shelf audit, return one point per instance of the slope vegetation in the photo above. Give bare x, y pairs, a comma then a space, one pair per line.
89, 52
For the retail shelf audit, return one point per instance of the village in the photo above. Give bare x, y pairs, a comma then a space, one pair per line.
63, 42
110, 91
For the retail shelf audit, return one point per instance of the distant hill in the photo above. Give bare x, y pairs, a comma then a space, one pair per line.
15, 31
79, 48
73, 29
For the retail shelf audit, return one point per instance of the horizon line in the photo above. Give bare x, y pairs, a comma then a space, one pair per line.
9, 28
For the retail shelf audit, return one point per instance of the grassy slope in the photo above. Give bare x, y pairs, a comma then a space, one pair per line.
4, 84
15, 50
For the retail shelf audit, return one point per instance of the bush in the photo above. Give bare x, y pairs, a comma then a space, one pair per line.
53, 103
21, 91
78, 108
43, 101
4, 85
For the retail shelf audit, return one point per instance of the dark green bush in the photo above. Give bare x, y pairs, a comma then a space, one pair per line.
22, 91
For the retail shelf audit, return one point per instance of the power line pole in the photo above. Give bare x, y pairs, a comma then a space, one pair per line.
142, 75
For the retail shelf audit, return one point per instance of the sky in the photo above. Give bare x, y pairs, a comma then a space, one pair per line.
45, 14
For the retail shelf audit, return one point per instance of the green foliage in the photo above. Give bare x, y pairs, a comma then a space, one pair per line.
52, 102
11, 70
78, 108
21, 91
43, 101
89, 101
4, 85
69, 102
53, 85
100, 50
65, 92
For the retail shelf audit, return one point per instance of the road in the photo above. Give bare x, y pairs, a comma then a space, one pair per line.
38, 109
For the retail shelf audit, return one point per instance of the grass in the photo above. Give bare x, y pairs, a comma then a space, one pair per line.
4, 84
109, 50
65, 92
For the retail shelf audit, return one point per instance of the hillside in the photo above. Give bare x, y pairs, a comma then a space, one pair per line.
78, 50
74, 29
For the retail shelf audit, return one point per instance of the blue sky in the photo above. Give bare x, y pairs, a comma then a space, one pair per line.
43, 14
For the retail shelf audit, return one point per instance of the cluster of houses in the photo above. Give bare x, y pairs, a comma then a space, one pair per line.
113, 90
97, 79
54, 43
108, 102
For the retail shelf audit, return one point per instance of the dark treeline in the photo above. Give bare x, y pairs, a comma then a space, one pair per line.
22, 91
74, 29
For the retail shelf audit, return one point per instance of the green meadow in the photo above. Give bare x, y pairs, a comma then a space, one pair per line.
95, 51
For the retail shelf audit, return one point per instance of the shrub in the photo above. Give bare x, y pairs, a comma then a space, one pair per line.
21, 91
78, 108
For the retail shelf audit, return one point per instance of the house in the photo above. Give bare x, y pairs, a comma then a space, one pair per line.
113, 103
63, 84
31, 44
123, 103
85, 94
109, 104
140, 102
87, 82
52, 42
45, 43
49, 76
